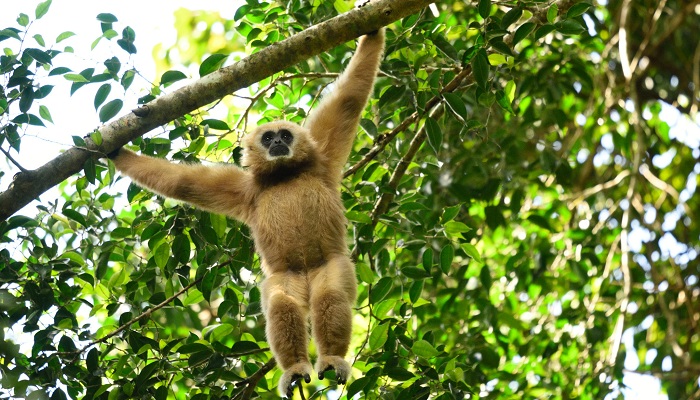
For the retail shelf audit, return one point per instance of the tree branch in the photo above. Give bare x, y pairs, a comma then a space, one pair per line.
383, 140
252, 381
27, 186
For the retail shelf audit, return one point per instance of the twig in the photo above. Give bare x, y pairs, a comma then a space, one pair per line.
383, 140
383, 203
576, 199
9, 157
647, 37
624, 56
140, 316
252, 381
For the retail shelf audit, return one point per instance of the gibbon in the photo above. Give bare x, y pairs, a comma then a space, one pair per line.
288, 193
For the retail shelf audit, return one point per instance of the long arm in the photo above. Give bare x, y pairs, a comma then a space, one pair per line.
333, 124
219, 189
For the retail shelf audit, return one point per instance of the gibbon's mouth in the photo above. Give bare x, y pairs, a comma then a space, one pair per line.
279, 150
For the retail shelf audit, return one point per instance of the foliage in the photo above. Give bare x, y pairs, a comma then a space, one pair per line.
550, 214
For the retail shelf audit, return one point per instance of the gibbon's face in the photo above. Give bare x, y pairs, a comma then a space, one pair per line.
276, 144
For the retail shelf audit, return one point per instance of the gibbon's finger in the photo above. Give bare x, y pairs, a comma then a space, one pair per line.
296, 379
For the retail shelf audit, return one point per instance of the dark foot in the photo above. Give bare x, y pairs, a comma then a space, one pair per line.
330, 363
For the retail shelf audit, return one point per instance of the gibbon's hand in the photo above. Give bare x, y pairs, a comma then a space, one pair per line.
360, 5
112, 155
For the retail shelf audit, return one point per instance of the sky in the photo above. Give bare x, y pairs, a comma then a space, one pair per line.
153, 21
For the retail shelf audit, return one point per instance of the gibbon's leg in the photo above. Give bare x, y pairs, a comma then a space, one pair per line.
333, 292
285, 303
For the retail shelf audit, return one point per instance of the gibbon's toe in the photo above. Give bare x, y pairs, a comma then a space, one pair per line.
292, 375
341, 367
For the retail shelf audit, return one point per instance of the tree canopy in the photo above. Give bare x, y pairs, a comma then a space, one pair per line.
521, 196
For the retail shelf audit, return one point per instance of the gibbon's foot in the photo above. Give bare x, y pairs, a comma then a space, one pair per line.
341, 367
291, 376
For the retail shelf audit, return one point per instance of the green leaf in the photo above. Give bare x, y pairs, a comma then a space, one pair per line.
552, 13
449, 213
63, 36
216, 124
480, 68
96, 137
446, 47
456, 228
76, 78
365, 273
456, 104
113, 66
40, 39
59, 71
472, 252
75, 216
511, 17
544, 30
577, 9
415, 291
244, 346
30, 119
570, 27
181, 248
44, 113
412, 272
146, 373
447, 254
211, 64
428, 259
169, 77
127, 40
434, 132
207, 285
39, 55
9, 33
110, 109
380, 290
503, 101
356, 216
378, 336
102, 94
106, 17
42, 8
127, 78
523, 31
423, 348
484, 8
23, 19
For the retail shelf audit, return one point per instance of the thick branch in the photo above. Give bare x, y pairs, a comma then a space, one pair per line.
315, 40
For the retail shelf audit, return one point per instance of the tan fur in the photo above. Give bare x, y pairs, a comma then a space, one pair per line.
293, 207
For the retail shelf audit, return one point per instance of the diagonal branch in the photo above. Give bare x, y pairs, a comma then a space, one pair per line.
383, 140
30, 184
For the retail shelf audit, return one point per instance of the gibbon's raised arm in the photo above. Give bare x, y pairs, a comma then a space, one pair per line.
221, 189
333, 124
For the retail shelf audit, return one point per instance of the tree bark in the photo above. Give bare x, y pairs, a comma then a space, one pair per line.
28, 185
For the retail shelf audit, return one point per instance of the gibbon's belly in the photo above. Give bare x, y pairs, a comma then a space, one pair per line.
298, 224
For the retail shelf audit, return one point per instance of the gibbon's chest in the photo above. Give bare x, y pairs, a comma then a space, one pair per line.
298, 222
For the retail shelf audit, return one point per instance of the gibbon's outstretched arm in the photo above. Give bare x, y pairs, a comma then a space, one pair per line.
221, 189
333, 124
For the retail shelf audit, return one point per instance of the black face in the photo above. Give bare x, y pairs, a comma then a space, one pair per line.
277, 143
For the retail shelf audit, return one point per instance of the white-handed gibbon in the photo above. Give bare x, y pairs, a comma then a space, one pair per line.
288, 193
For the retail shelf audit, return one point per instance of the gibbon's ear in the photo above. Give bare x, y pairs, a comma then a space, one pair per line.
276, 145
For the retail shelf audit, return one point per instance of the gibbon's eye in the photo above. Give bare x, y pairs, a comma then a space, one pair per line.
286, 136
267, 138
